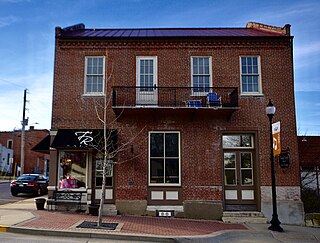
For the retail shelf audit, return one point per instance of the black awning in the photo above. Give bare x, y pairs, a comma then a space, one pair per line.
43, 146
84, 139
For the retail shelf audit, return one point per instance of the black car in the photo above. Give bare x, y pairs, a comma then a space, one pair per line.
36, 184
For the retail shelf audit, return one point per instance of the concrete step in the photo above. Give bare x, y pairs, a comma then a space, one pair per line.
244, 217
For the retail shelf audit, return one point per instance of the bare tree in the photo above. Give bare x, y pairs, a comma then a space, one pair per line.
107, 146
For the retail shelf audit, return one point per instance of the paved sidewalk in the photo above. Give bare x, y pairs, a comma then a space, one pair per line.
22, 217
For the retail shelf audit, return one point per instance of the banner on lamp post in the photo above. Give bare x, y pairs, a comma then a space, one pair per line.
276, 138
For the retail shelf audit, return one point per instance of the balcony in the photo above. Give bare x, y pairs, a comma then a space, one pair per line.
188, 100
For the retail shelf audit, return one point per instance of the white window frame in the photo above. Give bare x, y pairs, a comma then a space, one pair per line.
147, 97
155, 68
85, 77
8, 141
259, 92
149, 160
210, 75
59, 169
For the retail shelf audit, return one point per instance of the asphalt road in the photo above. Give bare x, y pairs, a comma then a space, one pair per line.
6, 197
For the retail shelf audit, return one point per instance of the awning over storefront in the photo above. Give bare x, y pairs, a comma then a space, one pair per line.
84, 139
43, 146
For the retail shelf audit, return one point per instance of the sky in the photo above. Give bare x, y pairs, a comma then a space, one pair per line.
27, 44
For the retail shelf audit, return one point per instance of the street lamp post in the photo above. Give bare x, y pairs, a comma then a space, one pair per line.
275, 223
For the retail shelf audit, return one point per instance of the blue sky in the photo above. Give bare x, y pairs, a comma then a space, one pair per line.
27, 43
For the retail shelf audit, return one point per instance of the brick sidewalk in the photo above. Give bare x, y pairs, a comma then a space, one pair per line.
68, 221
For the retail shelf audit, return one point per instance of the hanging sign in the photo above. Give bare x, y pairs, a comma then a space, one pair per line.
284, 159
276, 138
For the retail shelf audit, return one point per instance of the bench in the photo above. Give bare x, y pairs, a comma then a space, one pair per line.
65, 197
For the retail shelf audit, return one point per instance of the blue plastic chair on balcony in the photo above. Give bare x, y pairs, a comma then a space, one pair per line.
194, 103
214, 100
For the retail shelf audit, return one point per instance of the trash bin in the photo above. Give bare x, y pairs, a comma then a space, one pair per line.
40, 203
94, 209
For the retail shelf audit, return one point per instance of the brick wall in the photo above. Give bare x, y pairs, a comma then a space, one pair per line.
32, 138
201, 154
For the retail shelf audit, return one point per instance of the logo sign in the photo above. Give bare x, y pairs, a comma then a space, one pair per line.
276, 138
84, 137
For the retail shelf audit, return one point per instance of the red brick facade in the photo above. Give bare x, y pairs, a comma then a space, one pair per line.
202, 173
32, 159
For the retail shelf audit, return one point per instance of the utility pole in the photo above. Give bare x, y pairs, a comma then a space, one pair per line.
24, 123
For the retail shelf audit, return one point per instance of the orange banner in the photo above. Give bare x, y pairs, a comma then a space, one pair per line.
276, 138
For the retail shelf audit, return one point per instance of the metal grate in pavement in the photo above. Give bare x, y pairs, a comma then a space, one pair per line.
94, 225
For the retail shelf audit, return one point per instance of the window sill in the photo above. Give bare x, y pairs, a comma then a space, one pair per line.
93, 95
251, 95
164, 185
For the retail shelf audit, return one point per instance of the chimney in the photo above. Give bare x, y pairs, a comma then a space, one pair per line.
31, 128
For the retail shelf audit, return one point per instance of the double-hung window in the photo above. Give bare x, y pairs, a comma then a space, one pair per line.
201, 75
94, 76
164, 158
250, 75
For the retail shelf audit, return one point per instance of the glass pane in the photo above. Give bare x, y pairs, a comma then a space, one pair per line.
99, 164
229, 160
231, 141
255, 61
246, 160
72, 169
230, 177
246, 141
246, 177
156, 144
243, 61
172, 145
237, 141
156, 171
172, 170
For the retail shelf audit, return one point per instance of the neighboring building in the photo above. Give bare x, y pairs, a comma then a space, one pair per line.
309, 158
34, 162
178, 150
6, 160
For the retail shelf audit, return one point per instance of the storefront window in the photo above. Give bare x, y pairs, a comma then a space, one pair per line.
72, 173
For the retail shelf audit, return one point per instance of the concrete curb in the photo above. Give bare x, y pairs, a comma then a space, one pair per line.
96, 235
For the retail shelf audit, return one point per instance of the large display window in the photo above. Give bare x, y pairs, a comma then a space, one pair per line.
73, 169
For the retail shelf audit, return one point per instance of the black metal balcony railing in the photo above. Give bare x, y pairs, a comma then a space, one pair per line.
166, 97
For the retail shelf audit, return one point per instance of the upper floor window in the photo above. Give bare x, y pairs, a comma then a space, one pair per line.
201, 75
250, 75
94, 75
10, 144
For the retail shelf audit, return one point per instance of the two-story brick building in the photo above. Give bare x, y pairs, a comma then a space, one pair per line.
187, 108
34, 162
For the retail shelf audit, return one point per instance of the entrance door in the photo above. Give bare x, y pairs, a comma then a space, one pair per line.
109, 193
146, 92
239, 179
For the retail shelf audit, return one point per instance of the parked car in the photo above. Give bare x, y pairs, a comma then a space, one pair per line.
37, 184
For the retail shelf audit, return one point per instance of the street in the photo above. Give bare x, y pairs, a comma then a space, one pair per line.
6, 197
22, 238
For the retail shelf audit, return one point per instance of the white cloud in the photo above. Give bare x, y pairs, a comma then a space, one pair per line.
6, 21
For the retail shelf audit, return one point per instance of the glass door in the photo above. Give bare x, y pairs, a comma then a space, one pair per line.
146, 92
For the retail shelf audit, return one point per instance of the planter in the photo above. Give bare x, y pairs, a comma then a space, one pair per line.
40, 202
93, 209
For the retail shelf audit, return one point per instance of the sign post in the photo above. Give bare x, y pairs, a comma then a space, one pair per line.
276, 138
